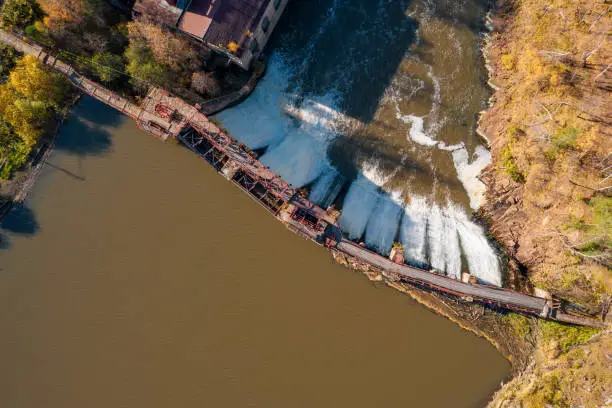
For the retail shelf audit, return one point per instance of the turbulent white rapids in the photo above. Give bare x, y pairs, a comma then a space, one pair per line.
294, 129
443, 237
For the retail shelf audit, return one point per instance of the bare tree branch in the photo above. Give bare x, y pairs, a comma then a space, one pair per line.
594, 50
598, 18
602, 72
546, 119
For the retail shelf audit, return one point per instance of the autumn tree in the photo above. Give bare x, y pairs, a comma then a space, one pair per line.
108, 67
168, 48
8, 56
14, 151
143, 67
60, 12
29, 96
19, 13
27, 99
35, 82
205, 83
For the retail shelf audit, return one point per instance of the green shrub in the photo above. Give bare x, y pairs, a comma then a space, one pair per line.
576, 224
510, 165
19, 13
602, 212
108, 66
8, 57
143, 67
601, 230
38, 33
519, 323
514, 131
564, 139
566, 335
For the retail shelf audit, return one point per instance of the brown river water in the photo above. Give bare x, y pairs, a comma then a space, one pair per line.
135, 276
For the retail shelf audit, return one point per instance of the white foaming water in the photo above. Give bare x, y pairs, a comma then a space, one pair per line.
326, 188
318, 115
481, 257
258, 121
468, 172
451, 249
450, 148
358, 206
298, 158
414, 229
381, 229
301, 156
361, 200
371, 171
417, 132
296, 142
446, 233
435, 238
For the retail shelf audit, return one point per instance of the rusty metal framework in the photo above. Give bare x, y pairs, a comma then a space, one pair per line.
219, 151
194, 136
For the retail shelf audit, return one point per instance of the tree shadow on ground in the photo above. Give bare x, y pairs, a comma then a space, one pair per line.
21, 220
86, 133
98, 113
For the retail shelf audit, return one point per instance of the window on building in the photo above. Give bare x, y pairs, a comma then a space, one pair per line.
254, 46
277, 4
265, 24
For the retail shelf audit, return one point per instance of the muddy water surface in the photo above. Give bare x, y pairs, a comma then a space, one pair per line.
137, 277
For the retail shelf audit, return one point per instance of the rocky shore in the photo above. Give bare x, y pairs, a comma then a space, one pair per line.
548, 144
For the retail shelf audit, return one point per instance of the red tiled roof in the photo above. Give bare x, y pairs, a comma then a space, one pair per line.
194, 24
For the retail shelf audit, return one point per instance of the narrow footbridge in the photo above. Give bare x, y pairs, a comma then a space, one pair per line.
165, 115
484, 293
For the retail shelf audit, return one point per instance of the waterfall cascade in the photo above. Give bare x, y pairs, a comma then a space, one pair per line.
298, 110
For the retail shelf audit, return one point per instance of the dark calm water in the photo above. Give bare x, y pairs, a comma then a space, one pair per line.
137, 277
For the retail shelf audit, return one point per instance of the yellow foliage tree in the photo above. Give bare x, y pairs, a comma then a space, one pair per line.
28, 97
24, 116
33, 81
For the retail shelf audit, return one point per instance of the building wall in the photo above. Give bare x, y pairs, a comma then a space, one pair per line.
262, 37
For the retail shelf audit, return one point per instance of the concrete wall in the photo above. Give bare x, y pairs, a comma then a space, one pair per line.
262, 37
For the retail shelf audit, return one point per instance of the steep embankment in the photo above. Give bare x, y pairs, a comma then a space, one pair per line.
548, 198
549, 127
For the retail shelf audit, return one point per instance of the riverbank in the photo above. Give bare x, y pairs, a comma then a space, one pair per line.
35, 103
547, 201
13, 192
492, 325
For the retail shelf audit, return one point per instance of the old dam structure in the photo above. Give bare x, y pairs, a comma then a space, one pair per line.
166, 116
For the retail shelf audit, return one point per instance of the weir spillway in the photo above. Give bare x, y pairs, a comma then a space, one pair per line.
166, 116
